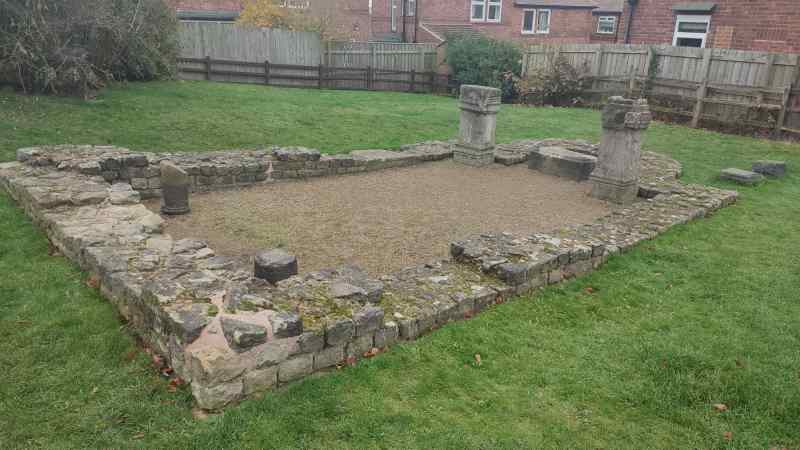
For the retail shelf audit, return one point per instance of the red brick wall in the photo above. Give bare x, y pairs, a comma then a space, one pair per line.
566, 25
761, 25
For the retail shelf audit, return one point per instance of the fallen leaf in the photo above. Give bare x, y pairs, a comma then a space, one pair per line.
590, 290
721, 407
478, 361
468, 315
138, 435
351, 360
372, 352
95, 389
93, 282
727, 435
158, 361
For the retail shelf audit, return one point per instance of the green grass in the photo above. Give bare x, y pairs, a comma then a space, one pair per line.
708, 313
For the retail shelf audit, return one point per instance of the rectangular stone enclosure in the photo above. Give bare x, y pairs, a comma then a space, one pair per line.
233, 334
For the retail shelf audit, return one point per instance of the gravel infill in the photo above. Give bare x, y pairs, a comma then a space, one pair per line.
386, 220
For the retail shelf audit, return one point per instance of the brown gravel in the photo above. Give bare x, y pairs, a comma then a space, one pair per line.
383, 221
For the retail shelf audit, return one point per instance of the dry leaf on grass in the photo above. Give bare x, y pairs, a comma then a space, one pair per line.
721, 407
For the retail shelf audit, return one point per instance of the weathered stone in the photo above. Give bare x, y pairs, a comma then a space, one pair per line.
386, 336
741, 176
286, 325
275, 265
214, 365
295, 368
217, 396
616, 175
770, 168
476, 139
560, 162
339, 332
290, 154
260, 380
311, 342
123, 194
175, 187
328, 357
359, 345
341, 289
367, 320
242, 335
188, 321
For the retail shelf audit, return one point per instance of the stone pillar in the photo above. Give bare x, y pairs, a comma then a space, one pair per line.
476, 138
616, 176
175, 186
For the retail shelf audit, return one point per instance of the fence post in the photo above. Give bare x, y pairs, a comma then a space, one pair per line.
370, 75
320, 75
412, 85
597, 67
266, 72
433, 81
703, 89
769, 72
787, 92
208, 68
632, 83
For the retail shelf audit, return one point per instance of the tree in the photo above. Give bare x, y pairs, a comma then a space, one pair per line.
325, 17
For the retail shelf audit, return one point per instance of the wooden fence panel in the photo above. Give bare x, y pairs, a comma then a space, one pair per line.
731, 86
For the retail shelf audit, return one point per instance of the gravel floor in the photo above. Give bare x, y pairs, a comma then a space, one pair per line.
383, 221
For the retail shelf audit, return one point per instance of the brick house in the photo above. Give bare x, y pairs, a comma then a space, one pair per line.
761, 25
527, 21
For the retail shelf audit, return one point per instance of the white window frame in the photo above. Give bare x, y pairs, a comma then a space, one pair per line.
533, 22
613, 20
485, 5
411, 8
684, 35
549, 21
393, 14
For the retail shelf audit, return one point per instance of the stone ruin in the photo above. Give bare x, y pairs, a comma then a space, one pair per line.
234, 330
476, 135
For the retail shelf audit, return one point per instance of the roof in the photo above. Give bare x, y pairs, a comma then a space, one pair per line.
597, 5
442, 30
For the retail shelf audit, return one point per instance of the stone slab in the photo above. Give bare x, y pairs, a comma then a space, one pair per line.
740, 176
770, 168
560, 162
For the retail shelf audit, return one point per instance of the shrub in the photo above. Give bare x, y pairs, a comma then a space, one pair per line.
74, 46
484, 61
558, 84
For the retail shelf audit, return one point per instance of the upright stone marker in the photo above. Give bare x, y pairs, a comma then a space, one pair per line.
616, 175
476, 139
175, 185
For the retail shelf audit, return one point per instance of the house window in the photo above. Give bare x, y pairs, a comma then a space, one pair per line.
394, 10
691, 31
543, 21
607, 24
528, 21
486, 11
535, 21
411, 8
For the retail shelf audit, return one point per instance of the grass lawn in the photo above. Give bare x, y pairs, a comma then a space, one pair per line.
708, 313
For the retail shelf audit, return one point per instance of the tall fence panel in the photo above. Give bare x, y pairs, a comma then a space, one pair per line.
228, 52
732, 87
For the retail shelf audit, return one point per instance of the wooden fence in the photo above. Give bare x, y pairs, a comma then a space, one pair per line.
317, 76
227, 52
730, 87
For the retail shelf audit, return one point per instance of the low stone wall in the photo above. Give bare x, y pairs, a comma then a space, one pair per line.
232, 335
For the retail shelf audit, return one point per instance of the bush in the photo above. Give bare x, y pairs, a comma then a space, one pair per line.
75, 46
558, 84
484, 61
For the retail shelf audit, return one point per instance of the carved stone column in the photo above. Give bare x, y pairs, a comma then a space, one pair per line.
616, 176
476, 138
175, 186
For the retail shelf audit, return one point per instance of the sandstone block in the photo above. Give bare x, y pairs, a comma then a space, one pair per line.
295, 368
560, 162
275, 265
770, 168
740, 176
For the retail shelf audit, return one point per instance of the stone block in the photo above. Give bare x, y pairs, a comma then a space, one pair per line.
360, 345
286, 325
311, 342
260, 380
386, 336
217, 396
339, 332
368, 320
560, 162
295, 368
740, 176
294, 154
473, 157
328, 357
275, 265
770, 168
242, 335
